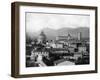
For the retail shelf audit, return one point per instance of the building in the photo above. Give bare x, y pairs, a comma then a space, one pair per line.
79, 36
36, 53
42, 38
82, 48
54, 44
68, 37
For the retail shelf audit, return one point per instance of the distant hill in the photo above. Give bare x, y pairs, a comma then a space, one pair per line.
52, 33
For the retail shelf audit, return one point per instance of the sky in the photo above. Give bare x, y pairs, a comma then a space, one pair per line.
37, 21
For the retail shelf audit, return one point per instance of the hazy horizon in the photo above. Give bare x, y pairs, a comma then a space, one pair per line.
36, 21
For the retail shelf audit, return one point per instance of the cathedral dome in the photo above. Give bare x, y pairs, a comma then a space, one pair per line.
42, 37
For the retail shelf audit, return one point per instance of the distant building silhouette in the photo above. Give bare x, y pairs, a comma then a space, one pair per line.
79, 36
42, 38
68, 37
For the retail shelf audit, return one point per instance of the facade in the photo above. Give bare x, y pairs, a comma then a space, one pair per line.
68, 37
35, 54
82, 48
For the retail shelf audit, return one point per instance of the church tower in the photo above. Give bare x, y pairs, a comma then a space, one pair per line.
79, 35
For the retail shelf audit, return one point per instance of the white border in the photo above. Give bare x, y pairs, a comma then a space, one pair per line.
36, 70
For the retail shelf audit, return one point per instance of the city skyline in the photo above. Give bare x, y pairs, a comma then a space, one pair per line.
52, 34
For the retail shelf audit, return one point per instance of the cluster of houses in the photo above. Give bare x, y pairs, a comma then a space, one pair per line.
63, 46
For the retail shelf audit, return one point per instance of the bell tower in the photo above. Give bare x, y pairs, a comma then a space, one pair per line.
79, 36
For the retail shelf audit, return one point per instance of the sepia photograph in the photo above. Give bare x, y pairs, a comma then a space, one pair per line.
56, 39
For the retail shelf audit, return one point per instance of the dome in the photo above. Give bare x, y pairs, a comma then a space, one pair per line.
42, 37
42, 34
